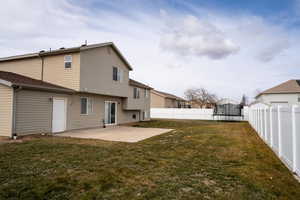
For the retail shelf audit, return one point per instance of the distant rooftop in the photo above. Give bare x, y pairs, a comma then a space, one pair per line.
291, 86
168, 95
139, 84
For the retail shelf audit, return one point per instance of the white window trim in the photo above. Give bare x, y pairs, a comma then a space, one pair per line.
146, 93
116, 114
68, 61
91, 105
137, 93
120, 74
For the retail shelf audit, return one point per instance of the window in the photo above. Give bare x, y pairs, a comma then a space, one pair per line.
86, 105
299, 98
136, 93
146, 93
68, 61
117, 74
134, 116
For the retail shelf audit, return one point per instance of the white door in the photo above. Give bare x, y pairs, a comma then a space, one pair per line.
59, 115
110, 112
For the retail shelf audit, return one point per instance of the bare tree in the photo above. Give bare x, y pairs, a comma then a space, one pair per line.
200, 96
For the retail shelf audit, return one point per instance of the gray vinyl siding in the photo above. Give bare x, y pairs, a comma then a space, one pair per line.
96, 72
34, 111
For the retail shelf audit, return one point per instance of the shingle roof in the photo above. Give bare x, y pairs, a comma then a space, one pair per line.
24, 81
138, 84
291, 86
67, 50
168, 95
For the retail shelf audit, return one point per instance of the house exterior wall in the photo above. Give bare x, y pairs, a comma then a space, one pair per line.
157, 101
279, 99
96, 74
142, 103
34, 111
6, 110
171, 103
56, 73
31, 67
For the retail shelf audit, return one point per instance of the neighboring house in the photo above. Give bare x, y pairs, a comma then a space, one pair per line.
197, 104
69, 88
165, 100
287, 93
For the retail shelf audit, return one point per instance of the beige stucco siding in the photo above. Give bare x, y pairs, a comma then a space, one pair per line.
55, 72
31, 67
96, 74
157, 101
6, 110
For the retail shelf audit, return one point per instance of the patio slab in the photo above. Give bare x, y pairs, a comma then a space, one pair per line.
116, 133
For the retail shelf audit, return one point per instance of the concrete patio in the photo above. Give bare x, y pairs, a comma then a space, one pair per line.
116, 133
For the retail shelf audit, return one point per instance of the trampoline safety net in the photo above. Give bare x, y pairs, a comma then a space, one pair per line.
228, 110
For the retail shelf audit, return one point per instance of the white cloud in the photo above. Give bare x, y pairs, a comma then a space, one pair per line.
192, 37
224, 54
273, 51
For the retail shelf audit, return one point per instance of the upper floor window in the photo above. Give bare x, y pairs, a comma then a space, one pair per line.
117, 74
68, 61
136, 93
146, 93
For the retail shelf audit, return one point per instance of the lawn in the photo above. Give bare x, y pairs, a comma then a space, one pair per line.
198, 160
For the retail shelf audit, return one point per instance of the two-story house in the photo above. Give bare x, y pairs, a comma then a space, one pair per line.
69, 88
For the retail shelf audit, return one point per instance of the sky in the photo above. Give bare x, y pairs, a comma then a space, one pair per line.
229, 47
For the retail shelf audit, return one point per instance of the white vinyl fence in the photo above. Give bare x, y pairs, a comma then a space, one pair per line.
190, 113
182, 113
279, 127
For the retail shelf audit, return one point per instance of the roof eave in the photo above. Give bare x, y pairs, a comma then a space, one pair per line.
28, 86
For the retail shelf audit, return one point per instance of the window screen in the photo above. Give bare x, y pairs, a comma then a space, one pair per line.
115, 73
84, 106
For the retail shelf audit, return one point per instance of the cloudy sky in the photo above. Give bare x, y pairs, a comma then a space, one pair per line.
230, 47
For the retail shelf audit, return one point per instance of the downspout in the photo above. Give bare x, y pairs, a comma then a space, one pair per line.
14, 108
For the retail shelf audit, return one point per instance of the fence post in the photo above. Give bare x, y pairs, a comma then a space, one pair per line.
257, 129
266, 128
261, 123
294, 138
279, 132
271, 127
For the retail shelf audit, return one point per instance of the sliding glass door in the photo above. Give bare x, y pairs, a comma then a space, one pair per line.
110, 112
